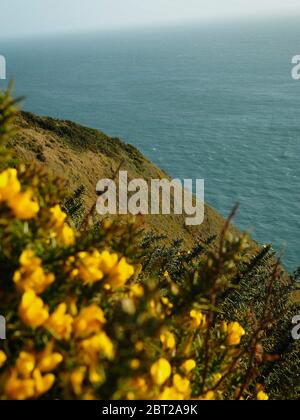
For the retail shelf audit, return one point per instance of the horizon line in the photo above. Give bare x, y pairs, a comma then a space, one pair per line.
242, 19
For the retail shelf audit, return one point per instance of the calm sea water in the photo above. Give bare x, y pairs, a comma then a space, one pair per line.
215, 102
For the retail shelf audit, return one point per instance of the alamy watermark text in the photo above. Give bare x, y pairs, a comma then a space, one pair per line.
2, 328
159, 196
2, 68
296, 67
296, 329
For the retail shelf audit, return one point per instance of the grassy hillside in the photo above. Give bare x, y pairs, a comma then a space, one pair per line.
84, 155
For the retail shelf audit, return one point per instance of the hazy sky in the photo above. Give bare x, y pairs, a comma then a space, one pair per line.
22, 17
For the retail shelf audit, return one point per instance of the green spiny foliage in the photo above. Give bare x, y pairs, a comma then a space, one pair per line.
74, 206
277, 357
256, 281
8, 112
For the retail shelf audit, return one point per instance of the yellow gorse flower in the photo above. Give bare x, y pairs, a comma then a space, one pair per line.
24, 206
166, 302
135, 364
26, 379
170, 393
136, 291
61, 230
234, 334
67, 235
198, 319
262, 396
47, 360
107, 261
60, 323
32, 310
188, 366
120, 274
96, 375
31, 275
209, 396
50, 362
182, 385
25, 364
42, 383
97, 346
89, 268
93, 267
168, 340
58, 217
9, 184
19, 389
160, 371
89, 396
217, 377
3, 358
89, 321
77, 378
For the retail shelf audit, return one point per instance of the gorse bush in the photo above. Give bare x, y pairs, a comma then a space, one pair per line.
99, 312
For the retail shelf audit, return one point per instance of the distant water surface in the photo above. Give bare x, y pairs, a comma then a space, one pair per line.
215, 102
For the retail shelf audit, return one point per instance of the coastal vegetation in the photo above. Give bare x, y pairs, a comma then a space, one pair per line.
110, 309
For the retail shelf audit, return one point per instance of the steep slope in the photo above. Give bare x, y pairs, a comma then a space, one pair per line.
84, 155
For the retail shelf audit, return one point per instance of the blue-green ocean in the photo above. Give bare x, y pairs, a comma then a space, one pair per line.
214, 101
